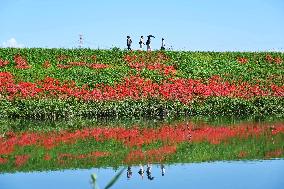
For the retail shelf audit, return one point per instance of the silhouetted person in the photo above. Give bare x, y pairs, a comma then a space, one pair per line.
129, 172
163, 45
148, 42
149, 172
141, 171
129, 42
141, 42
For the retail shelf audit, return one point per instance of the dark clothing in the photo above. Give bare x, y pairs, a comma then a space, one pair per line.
148, 41
129, 41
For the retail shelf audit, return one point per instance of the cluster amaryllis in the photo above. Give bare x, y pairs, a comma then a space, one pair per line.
81, 64
268, 59
21, 62
134, 87
3, 62
158, 64
276, 60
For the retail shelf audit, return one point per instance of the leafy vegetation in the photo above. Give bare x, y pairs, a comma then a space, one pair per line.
61, 83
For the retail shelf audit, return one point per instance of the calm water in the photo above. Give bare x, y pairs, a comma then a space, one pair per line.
235, 174
29, 157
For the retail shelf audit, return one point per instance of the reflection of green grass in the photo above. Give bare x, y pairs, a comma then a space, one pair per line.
18, 125
53, 109
253, 147
187, 152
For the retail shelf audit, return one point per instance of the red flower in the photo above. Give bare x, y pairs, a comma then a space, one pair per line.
21, 63
46, 64
3, 62
278, 60
242, 60
98, 66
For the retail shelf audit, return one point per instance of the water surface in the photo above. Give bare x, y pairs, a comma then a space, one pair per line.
235, 175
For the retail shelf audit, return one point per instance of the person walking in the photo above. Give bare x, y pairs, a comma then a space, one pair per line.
141, 42
129, 42
148, 42
163, 45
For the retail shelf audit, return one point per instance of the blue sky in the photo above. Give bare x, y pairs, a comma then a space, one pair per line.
206, 25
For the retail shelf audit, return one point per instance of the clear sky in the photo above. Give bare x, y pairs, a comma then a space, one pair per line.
214, 25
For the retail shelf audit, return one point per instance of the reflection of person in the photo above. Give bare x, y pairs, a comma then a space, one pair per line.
149, 172
129, 41
188, 135
141, 171
129, 172
272, 129
141, 42
163, 169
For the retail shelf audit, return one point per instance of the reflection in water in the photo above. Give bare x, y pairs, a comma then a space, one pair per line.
149, 172
141, 171
112, 181
163, 169
131, 146
129, 172
232, 175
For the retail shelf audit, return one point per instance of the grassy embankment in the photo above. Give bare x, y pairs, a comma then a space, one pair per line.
85, 83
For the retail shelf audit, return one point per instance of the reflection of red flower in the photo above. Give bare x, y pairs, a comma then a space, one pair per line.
274, 154
136, 137
153, 155
93, 155
47, 157
3, 160
242, 154
20, 160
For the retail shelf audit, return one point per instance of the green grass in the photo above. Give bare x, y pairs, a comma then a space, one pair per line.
195, 65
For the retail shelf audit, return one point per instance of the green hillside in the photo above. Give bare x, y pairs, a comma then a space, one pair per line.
67, 83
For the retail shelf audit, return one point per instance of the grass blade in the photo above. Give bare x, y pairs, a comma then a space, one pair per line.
114, 179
